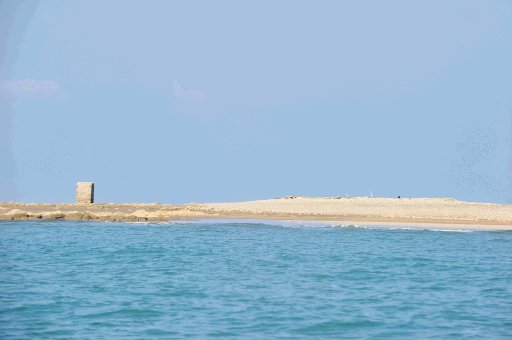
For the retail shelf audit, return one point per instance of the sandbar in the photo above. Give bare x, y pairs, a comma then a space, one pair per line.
432, 212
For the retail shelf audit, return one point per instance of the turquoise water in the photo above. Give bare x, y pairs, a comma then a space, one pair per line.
251, 280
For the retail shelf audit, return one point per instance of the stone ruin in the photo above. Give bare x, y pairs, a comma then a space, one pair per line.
85, 192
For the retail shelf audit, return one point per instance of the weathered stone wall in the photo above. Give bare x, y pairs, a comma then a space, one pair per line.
84, 192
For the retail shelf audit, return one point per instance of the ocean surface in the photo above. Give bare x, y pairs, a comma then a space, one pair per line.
252, 280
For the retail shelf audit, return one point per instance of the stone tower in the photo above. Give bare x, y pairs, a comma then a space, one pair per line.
84, 192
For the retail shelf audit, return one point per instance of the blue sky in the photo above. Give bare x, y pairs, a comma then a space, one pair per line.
167, 101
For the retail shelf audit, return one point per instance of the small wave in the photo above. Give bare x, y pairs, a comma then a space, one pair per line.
292, 224
272, 223
124, 312
336, 327
453, 230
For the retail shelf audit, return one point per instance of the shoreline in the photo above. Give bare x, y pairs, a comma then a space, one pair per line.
413, 224
414, 212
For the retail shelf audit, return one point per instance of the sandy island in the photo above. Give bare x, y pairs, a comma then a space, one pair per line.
360, 210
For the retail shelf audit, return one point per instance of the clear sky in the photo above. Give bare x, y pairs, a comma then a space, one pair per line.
192, 101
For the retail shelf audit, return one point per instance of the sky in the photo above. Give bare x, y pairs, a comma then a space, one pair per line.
201, 101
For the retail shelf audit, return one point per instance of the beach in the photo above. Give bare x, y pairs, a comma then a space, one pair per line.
361, 210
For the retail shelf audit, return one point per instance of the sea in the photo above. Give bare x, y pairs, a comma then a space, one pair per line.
252, 280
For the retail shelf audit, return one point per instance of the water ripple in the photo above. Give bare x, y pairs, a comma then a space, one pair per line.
251, 280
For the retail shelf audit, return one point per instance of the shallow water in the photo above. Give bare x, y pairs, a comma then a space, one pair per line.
251, 280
